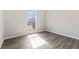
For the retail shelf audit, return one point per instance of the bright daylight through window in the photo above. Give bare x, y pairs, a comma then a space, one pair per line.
36, 40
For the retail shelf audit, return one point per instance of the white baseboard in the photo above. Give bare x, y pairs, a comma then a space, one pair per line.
41, 31
14, 36
64, 34
20, 35
1, 42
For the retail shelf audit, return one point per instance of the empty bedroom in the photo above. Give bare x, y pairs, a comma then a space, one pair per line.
40, 29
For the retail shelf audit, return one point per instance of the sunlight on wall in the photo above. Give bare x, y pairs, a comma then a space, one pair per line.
36, 40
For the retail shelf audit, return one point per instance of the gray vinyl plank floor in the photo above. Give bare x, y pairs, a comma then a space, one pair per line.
42, 40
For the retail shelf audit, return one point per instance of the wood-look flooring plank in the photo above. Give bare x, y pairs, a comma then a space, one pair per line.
53, 41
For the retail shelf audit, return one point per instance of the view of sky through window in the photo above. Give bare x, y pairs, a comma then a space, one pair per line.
30, 14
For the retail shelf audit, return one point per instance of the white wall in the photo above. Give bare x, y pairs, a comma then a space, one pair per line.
14, 23
40, 21
63, 22
60, 22
1, 28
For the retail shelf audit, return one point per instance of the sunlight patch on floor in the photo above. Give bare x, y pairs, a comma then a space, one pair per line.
36, 40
